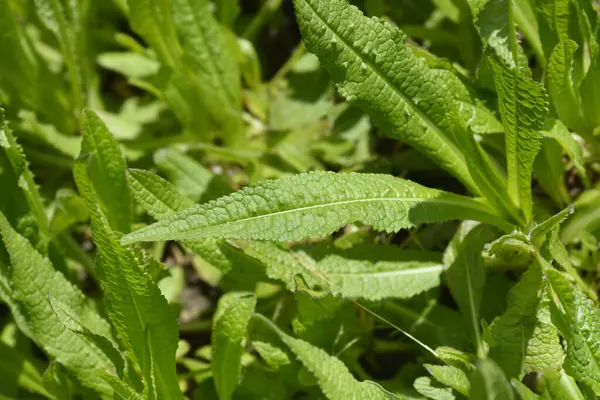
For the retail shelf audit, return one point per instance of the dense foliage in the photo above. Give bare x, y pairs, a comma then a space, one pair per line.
299, 200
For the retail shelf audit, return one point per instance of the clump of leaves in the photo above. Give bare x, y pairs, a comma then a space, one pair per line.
492, 291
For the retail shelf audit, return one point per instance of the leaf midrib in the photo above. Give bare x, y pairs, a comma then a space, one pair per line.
407, 100
382, 274
214, 70
348, 202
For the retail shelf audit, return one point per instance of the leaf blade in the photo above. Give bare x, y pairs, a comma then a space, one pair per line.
315, 204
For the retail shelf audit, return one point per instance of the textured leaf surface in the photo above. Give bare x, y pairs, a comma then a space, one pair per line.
229, 331
544, 350
561, 85
135, 305
333, 377
431, 390
107, 171
450, 376
377, 71
209, 57
160, 199
315, 204
32, 278
495, 21
353, 277
121, 388
207, 51
513, 329
522, 103
581, 330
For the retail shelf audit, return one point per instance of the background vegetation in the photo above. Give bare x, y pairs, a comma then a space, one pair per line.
117, 114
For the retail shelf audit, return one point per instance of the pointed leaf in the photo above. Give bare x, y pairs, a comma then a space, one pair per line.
522, 103
544, 350
431, 390
107, 172
32, 278
333, 377
135, 305
230, 324
562, 87
450, 376
558, 386
190, 177
206, 50
160, 199
352, 276
581, 329
512, 330
377, 71
315, 204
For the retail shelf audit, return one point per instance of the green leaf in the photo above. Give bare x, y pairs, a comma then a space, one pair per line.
556, 130
544, 350
556, 16
315, 204
579, 323
272, 355
135, 305
121, 388
526, 19
227, 11
69, 209
70, 319
562, 87
160, 199
590, 94
66, 24
428, 388
495, 21
539, 231
522, 103
151, 19
284, 265
372, 277
333, 377
466, 274
107, 171
24, 208
450, 376
230, 324
373, 68
24, 65
157, 197
549, 171
586, 219
558, 385
488, 382
32, 278
191, 179
523, 391
207, 53
21, 369
512, 331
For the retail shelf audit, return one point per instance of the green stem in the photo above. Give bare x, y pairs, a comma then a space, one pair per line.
264, 15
